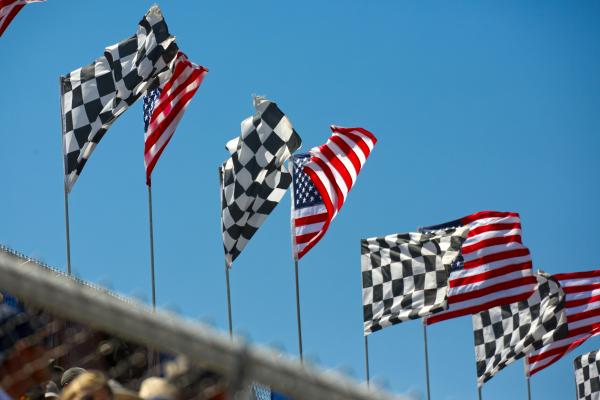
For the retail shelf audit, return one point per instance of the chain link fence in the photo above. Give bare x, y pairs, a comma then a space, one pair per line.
55, 329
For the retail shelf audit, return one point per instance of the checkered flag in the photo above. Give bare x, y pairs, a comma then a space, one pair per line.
255, 178
405, 276
95, 95
506, 333
587, 376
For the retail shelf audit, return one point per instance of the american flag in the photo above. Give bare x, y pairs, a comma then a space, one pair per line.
322, 180
164, 108
582, 305
9, 9
494, 267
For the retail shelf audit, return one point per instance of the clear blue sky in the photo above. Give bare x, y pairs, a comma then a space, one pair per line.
476, 104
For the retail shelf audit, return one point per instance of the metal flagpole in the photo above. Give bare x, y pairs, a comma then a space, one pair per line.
220, 172
151, 247
426, 357
228, 300
527, 378
62, 138
367, 359
295, 254
479, 392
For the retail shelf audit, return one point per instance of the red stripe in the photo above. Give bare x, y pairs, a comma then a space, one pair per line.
583, 315
173, 112
349, 130
310, 219
473, 294
327, 201
338, 165
360, 142
4, 3
347, 151
487, 214
489, 274
577, 275
494, 241
505, 255
581, 288
581, 302
493, 227
475, 309
9, 17
301, 239
197, 73
331, 179
583, 329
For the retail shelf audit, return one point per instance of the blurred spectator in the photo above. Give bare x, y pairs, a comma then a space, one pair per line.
88, 386
51, 391
69, 376
154, 388
121, 393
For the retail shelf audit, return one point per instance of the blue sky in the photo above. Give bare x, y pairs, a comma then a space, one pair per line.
476, 104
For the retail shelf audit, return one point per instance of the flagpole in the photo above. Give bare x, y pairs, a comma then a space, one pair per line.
426, 357
295, 255
151, 246
66, 193
479, 392
367, 359
228, 300
220, 172
527, 378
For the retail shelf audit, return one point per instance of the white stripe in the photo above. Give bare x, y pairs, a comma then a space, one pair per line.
489, 250
582, 295
366, 139
494, 220
579, 282
308, 211
461, 273
584, 322
490, 234
354, 147
329, 189
528, 288
336, 175
306, 229
344, 159
583, 308
453, 291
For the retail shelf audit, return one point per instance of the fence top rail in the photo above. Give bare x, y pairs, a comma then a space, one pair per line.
50, 289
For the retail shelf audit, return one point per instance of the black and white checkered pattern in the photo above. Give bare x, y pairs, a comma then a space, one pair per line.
405, 276
95, 95
587, 376
255, 178
506, 333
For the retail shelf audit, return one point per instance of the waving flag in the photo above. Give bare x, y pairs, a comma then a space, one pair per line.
494, 267
405, 276
582, 290
587, 376
255, 178
506, 333
94, 96
9, 9
322, 183
163, 109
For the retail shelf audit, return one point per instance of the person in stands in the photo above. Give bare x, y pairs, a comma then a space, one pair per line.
90, 385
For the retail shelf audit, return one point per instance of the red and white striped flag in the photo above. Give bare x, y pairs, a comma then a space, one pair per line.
163, 112
322, 180
582, 305
9, 9
494, 267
